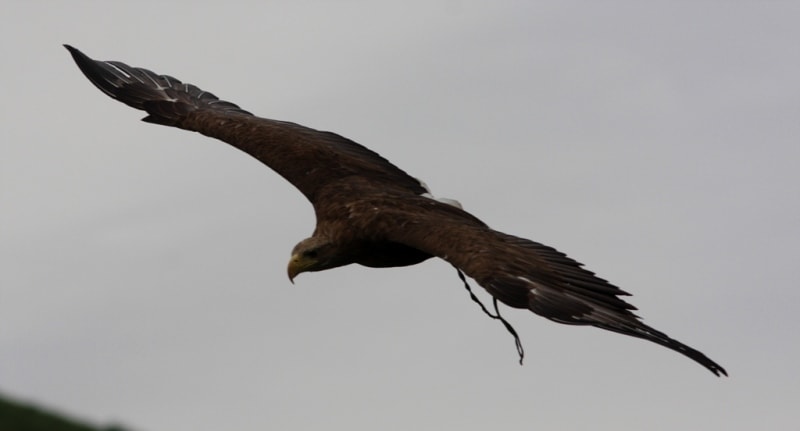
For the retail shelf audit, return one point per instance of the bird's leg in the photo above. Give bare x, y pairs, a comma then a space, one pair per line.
508, 326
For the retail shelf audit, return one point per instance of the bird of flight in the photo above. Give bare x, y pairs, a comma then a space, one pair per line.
372, 213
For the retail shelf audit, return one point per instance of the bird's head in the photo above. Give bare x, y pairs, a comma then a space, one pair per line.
312, 254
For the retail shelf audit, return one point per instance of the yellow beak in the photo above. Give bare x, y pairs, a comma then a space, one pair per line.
294, 267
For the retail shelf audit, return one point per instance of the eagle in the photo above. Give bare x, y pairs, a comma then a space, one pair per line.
370, 212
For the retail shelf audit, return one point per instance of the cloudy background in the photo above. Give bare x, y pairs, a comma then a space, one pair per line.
142, 268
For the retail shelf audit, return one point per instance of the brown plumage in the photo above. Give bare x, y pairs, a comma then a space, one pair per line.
372, 213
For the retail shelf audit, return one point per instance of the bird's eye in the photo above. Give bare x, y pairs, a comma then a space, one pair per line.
311, 254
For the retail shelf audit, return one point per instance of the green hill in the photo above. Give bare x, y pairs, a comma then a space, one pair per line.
19, 416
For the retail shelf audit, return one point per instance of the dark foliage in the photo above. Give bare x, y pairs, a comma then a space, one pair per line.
19, 416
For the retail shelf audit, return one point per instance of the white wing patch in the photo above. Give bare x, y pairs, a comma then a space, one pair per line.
429, 195
528, 280
118, 69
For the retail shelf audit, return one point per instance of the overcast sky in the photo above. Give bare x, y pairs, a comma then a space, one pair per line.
143, 269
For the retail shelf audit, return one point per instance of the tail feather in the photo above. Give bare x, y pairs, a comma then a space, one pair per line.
167, 100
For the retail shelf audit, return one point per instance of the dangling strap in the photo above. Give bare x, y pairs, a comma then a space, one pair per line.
508, 326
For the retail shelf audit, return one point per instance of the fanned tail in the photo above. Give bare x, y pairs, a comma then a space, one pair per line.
167, 100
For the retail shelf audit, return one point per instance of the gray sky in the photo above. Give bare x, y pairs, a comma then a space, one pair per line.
143, 268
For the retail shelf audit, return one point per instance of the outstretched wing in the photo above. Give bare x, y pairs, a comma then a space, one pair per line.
521, 273
307, 158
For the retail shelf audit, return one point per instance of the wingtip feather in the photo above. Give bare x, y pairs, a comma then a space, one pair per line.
77, 55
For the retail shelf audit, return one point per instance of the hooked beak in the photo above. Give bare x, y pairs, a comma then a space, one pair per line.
296, 266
